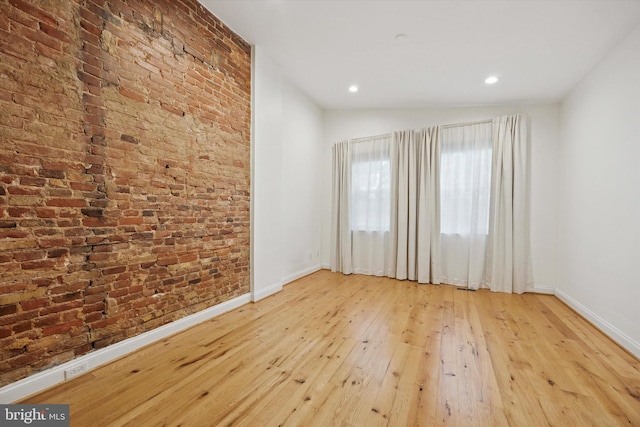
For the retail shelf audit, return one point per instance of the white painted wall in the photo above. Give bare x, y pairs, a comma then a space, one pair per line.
599, 208
286, 180
301, 208
266, 177
545, 127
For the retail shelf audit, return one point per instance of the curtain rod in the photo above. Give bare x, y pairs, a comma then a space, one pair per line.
454, 125
466, 124
367, 138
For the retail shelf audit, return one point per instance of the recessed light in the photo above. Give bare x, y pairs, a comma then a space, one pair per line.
353, 88
491, 80
401, 37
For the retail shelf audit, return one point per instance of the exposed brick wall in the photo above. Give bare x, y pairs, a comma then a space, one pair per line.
124, 172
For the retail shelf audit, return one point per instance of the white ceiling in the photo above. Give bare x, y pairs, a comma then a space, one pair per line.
539, 49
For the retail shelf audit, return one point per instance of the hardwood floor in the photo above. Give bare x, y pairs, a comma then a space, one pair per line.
366, 351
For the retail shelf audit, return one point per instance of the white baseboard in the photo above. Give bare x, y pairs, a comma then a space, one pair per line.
544, 290
605, 327
295, 276
277, 287
263, 293
42, 380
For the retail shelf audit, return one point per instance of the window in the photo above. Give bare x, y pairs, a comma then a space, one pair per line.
370, 197
465, 180
371, 185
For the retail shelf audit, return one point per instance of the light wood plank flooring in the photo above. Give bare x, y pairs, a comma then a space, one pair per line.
366, 351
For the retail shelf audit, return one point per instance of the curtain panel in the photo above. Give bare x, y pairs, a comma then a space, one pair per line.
414, 242
509, 266
340, 250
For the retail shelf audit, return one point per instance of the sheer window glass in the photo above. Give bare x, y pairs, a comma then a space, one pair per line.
370, 186
465, 180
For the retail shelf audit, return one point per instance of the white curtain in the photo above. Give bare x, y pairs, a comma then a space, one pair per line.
443, 205
465, 178
340, 252
414, 243
361, 211
509, 250
370, 195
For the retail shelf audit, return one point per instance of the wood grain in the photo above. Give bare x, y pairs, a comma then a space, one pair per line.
366, 351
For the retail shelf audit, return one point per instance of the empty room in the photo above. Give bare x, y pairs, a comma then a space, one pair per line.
318, 212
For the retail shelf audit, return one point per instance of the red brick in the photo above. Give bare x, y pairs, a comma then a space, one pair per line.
34, 11
42, 264
49, 320
61, 328
45, 213
20, 327
172, 109
67, 202
29, 255
6, 310
6, 233
52, 243
34, 303
90, 21
114, 270
93, 317
136, 96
